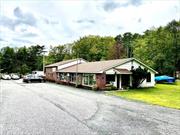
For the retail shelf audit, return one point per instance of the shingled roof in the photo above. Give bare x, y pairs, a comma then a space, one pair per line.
61, 63
95, 67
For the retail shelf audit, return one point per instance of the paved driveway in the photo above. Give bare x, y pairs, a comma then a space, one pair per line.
51, 109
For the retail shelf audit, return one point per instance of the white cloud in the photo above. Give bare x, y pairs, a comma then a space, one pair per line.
59, 22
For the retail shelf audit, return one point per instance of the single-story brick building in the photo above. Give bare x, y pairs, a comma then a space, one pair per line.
50, 70
101, 73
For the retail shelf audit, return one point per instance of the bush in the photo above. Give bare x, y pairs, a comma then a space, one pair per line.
95, 87
138, 76
113, 88
110, 87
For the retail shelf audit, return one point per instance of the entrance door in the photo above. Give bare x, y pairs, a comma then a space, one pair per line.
118, 76
125, 80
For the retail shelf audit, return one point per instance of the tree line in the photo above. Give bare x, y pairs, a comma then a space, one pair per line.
156, 47
21, 60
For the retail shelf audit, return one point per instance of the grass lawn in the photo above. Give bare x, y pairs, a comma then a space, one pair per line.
167, 95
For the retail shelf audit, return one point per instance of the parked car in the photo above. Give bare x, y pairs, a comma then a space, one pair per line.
15, 77
33, 78
39, 73
6, 77
164, 78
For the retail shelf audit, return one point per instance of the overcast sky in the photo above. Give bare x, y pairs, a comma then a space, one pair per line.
54, 22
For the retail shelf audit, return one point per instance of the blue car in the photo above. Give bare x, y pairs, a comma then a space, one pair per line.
165, 78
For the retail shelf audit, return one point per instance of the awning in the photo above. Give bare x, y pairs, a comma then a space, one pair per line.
122, 71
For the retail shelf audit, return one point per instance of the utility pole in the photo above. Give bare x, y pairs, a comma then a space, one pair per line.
44, 60
77, 71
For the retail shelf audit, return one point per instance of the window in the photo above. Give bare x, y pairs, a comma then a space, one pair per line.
88, 79
85, 79
62, 76
110, 79
91, 80
72, 77
148, 78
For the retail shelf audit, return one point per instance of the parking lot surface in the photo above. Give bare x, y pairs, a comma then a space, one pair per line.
52, 109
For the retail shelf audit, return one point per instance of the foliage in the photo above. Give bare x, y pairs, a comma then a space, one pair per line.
117, 51
35, 57
21, 60
110, 87
159, 48
93, 48
7, 60
95, 87
167, 95
128, 39
138, 76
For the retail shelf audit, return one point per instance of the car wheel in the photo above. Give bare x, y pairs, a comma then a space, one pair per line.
29, 81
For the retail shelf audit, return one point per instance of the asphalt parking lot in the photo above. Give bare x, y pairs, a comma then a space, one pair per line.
51, 109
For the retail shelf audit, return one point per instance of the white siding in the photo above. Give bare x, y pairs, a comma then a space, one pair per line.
149, 84
110, 72
71, 64
53, 69
135, 64
125, 66
128, 65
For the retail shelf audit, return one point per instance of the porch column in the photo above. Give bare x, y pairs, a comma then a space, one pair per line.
115, 80
130, 81
120, 80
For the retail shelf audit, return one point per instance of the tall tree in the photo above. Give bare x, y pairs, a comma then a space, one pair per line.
117, 51
56, 54
92, 48
7, 60
159, 48
174, 29
127, 42
35, 57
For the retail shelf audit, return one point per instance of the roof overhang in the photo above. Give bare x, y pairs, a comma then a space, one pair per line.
145, 66
79, 72
132, 59
122, 71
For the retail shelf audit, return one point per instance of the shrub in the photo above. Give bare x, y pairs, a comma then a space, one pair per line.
95, 87
138, 76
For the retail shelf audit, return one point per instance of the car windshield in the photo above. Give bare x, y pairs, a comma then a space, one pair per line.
29, 75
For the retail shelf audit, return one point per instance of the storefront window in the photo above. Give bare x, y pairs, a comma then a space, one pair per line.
91, 80
85, 79
72, 77
62, 76
88, 79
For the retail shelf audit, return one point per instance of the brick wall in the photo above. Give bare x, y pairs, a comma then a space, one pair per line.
101, 80
50, 75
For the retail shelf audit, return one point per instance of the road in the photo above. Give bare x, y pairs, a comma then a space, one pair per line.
51, 109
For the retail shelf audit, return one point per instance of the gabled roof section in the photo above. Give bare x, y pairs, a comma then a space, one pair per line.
94, 67
133, 59
101, 66
63, 62
146, 66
